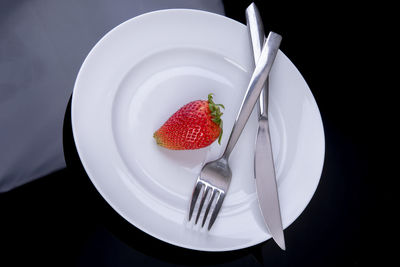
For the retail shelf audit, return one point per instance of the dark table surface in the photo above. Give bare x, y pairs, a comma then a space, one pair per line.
61, 219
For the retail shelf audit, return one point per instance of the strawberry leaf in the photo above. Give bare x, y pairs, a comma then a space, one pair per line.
216, 114
220, 134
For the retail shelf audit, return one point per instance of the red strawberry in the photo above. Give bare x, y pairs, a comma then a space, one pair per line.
195, 125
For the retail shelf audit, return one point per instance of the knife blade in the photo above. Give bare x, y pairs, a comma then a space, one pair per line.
266, 185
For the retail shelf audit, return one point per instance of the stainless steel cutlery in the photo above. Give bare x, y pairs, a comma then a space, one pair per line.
264, 169
213, 182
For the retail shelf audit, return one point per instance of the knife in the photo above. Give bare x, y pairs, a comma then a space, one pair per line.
267, 190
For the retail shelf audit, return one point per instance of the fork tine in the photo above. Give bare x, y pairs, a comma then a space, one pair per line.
214, 192
203, 198
220, 199
195, 195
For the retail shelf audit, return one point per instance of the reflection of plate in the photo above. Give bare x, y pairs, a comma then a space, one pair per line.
144, 70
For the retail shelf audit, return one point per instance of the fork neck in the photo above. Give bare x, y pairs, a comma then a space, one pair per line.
225, 157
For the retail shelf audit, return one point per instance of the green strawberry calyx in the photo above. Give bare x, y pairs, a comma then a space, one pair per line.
216, 114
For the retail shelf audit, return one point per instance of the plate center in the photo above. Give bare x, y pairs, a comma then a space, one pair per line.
156, 88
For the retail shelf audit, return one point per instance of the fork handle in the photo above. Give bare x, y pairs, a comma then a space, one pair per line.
254, 88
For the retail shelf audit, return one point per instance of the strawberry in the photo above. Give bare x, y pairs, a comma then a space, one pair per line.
195, 125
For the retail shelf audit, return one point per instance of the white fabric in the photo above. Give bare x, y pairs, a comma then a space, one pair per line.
42, 45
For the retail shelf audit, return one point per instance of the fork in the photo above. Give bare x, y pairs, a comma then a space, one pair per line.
215, 176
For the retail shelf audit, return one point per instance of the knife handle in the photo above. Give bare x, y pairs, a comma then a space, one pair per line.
257, 37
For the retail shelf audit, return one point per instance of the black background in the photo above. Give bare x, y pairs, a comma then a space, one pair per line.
61, 219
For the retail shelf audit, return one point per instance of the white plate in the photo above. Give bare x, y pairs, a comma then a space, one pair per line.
144, 70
